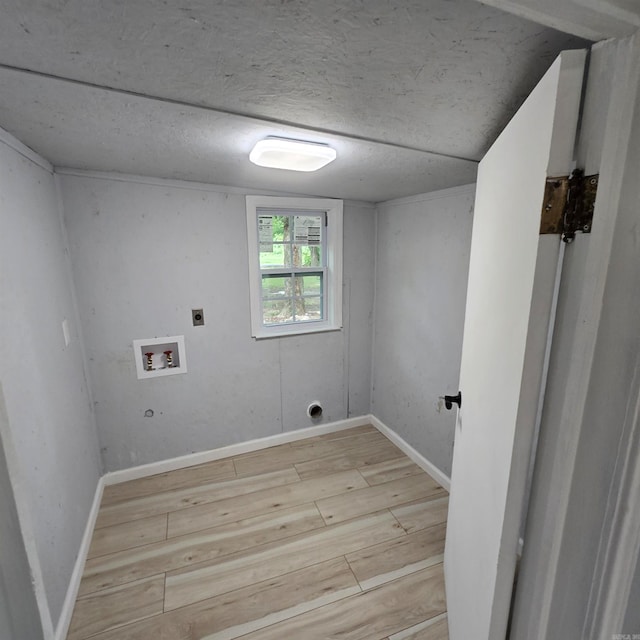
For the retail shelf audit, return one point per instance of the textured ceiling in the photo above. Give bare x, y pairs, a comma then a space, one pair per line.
183, 90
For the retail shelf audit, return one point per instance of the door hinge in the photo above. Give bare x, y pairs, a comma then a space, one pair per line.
568, 205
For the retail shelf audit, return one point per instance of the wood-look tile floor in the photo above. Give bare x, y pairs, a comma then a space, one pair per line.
337, 536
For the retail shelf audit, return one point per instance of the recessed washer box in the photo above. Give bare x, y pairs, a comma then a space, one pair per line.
159, 362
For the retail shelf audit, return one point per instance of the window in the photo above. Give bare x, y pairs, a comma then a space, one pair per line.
295, 265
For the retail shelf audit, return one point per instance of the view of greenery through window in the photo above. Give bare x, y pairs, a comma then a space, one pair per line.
292, 288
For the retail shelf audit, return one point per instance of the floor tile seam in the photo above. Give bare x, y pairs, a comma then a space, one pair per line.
259, 548
232, 522
121, 626
396, 519
366, 546
362, 489
424, 529
276, 577
354, 595
288, 466
325, 457
368, 514
438, 494
373, 435
327, 524
236, 475
119, 587
351, 441
204, 562
283, 467
395, 540
364, 478
410, 503
402, 477
195, 485
419, 501
193, 506
341, 455
259, 452
279, 576
164, 593
402, 572
410, 573
255, 550
187, 485
346, 449
254, 514
199, 465
338, 435
396, 454
353, 573
420, 528
137, 546
435, 619
316, 457
381, 485
360, 595
259, 513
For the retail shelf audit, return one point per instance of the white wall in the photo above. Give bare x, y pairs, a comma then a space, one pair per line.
422, 263
144, 253
54, 449
19, 615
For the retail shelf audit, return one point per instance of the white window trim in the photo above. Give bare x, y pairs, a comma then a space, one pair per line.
333, 290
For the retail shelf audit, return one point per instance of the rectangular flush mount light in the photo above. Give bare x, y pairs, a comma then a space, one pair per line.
293, 155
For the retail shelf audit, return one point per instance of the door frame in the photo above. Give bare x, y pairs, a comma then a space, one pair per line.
559, 478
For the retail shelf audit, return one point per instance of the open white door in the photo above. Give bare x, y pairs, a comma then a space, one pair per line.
512, 274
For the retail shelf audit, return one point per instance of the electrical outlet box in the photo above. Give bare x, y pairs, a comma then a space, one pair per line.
197, 316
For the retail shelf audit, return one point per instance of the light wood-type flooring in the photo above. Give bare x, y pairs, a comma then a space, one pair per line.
336, 536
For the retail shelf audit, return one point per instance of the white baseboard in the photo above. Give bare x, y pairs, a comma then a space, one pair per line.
192, 459
64, 621
134, 473
441, 478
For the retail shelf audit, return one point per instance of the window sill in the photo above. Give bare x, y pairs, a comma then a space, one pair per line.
293, 330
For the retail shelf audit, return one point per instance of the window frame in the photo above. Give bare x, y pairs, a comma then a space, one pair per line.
332, 283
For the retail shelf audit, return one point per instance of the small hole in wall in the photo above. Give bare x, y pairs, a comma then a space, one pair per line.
148, 413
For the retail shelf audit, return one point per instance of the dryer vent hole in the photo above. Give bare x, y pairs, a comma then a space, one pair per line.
314, 411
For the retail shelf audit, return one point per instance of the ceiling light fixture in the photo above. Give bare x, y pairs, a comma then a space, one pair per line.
292, 155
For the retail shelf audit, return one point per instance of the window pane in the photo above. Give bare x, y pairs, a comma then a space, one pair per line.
308, 285
273, 255
281, 228
276, 286
308, 309
277, 311
307, 229
307, 256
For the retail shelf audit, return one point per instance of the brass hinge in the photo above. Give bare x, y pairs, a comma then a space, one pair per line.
568, 205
